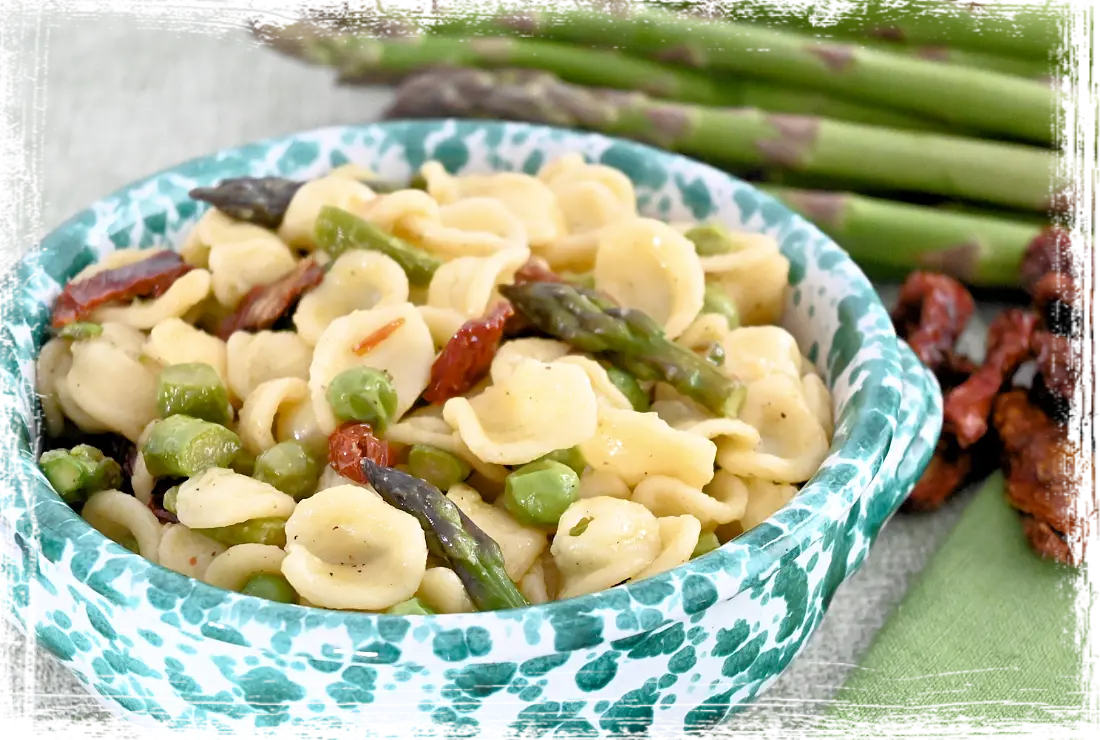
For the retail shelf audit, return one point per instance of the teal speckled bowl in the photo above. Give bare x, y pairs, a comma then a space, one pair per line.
677, 652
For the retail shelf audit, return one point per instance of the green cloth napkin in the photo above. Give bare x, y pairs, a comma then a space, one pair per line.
989, 632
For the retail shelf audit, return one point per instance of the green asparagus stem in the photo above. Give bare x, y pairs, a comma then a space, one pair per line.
362, 59
78, 473
263, 531
888, 238
271, 587
290, 468
716, 300
713, 352
539, 493
971, 99
628, 385
1032, 69
571, 458
182, 446
363, 394
194, 389
954, 167
627, 338
79, 330
338, 230
412, 607
707, 541
471, 553
436, 466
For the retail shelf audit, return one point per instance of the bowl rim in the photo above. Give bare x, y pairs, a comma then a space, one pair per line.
872, 435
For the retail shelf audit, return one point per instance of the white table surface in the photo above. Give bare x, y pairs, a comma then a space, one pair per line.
110, 99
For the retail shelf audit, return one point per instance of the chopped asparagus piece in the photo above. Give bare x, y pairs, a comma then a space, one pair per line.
182, 446
193, 389
707, 541
629, 387
288, 467
539, 493
717, 301
409, 608
271, 587
263, 531
436, 466
571, 458
81, 330
78, 473
168, 502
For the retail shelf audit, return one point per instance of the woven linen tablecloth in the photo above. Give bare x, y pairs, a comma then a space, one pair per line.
95, 95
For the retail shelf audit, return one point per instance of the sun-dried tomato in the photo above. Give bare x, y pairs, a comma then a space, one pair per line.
466, 358
536, 270
945, 474
1050, 251
931, 314
148, 278
350, 444
376, 338
1045, 541
265, 304
1066, 307
1039, 473
1070, 372
967, 408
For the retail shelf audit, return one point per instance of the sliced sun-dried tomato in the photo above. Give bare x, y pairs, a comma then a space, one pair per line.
535, 270
148, 278
1050, 251
350, 444
945, 474
376, 338
931, 314
1056, 363
467, 356
265, 304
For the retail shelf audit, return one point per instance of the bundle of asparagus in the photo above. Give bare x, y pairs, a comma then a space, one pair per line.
910, 152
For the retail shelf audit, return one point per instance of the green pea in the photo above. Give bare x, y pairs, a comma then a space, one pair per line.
411, 607
571, 458
193, 389
271, 587
363, 394
629, 387
707, 541
288, 467
539, 493
710, 239
717, 301
436, 466
263, 531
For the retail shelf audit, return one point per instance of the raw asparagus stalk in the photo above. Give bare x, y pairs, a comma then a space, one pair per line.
363, 60
1004, 174
892, 239
1035, 70
971, 99
627, 338
473, 555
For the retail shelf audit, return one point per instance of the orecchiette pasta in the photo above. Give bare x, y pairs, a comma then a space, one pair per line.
533, 584
512, 354
435, 432
336, 189
53, 365
348, 549
764, 499
141, 480
755, 277
819, 401
755, 352
185, 294
186, 551
357, 280
175, 342
602, 483
219, 497
523, 418
125, 520
238, 266
441, 590
256, 425
442, 323
519, 545
474, 227
468, 285
720, 503
679, 535
232, 568
110, 385
252, 359
602, 542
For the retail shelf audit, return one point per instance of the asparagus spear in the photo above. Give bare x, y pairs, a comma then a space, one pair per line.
954, 167
78, 473
627, 338
364, 60
472, 554
1031, 69
972, 99
890, 239
338, 230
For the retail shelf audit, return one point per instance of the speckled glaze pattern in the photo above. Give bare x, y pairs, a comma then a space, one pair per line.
675, 653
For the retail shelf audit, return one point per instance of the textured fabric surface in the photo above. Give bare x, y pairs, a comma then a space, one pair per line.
123, 98
987, 632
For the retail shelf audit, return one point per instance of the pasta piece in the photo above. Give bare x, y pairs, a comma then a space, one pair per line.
679, 535
186, 551
647, 265
808, 367
435, 432
819, 401
218, 497
52, 366
331, 479
755, 352
114, 260
262, 407
468, 285
602, 483
252, 359
538, 409
441, 590
722, 501
213, 228
607, 393
347, 549
335, 189
356, 281
175, 342
792, 442
233, 567
635, 446
587, 207
474, 227
110, 385
141, 480
755, 277
704, 329
561, 164
512, 353
122, 518
237, 267
353, 171
442, 323
297, 421
602, 542
406, 353
520, 545
186, 293
764, 499
404, 213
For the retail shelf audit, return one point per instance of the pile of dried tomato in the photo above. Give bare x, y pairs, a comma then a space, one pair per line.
993, 419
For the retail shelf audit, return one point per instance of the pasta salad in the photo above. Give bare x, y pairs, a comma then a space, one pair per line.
459, 394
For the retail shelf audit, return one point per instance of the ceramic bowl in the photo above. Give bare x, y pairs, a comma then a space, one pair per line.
677, 652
